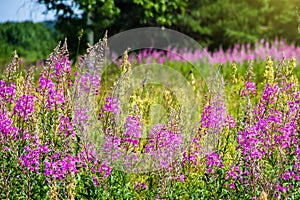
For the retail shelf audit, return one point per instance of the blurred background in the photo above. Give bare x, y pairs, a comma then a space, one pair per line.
34, 27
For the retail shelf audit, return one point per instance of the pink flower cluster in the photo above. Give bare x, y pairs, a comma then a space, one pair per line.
250, 89
112, 106
7, 130
24, 107
7, 92
239, 53
54, 96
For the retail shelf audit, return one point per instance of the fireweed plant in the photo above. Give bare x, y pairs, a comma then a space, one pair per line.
239, 53
47, 149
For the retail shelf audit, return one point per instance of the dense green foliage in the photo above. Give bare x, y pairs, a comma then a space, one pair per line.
213, 23
111, 15
32, 41
218, 23
226, 22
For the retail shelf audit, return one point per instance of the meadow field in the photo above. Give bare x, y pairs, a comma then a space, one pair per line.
72, 130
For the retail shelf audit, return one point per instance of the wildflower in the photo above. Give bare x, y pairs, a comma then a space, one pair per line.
7, 93
24, 106
233, 75
112, 106
66, 126
30, 159
58, 167
269, 72
106, 168
181, 178
133, 130
7, 129
95, 181
53, 96
213, 160
250, 86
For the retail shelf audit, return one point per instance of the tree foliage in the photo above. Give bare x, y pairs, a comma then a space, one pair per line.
31, 40
226, 22
211, 22
111, 15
